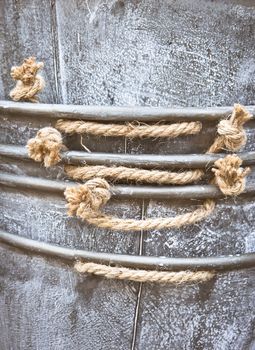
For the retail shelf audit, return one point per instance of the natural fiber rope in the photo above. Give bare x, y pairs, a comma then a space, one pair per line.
226, 137
121, 173
129, 130
229, 176
29, 83
231, 135
46, 146
122, 273
85, 201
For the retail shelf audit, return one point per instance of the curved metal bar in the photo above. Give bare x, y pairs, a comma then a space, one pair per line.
183, 161
114, 113
220, 263
122, 191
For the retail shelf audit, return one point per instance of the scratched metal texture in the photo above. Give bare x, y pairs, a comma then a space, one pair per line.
149, 53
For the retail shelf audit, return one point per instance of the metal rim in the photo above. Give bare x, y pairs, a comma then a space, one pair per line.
220, 263
118, 114
150, 161
122, 191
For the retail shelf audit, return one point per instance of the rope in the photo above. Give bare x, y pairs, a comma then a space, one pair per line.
129, 130
231, 134
46, 146
122, 273
133, 174
229, 176
29, 83
85, 200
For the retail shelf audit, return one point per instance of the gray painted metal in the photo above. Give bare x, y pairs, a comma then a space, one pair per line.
219, 263
118, 53
117, 114
121, 191
187, 161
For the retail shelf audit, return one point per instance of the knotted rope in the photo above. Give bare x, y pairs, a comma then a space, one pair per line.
133, 174
122, 273
46, 146
227, 137
129, 130
231, 134
229, 176
29, 83
85, 202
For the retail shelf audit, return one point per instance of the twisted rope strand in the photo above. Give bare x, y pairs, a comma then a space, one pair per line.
129, 130
133, 174
122, 273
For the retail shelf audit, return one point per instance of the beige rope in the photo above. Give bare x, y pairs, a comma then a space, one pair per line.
231, 134
46, 146
129, 130
29, 83
133, 174
85, 200
229, 176
122, 273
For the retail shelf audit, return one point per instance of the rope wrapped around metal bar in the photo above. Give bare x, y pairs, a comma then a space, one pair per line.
85, 200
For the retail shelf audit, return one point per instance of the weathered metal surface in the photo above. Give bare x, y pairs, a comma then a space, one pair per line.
218, 263
126, 53
122, 191
187, 161
118, 114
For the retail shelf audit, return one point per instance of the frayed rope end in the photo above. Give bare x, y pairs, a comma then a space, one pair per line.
229, 176
29, 83
46, 146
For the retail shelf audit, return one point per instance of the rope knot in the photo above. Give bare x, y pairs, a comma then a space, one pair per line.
231, 133
46, 146
229, 175
29, 83
233, 137
85, 200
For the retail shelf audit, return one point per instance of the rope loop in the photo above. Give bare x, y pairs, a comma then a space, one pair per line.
229, 176
85, 201
231, 134
46, 146
29, 83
